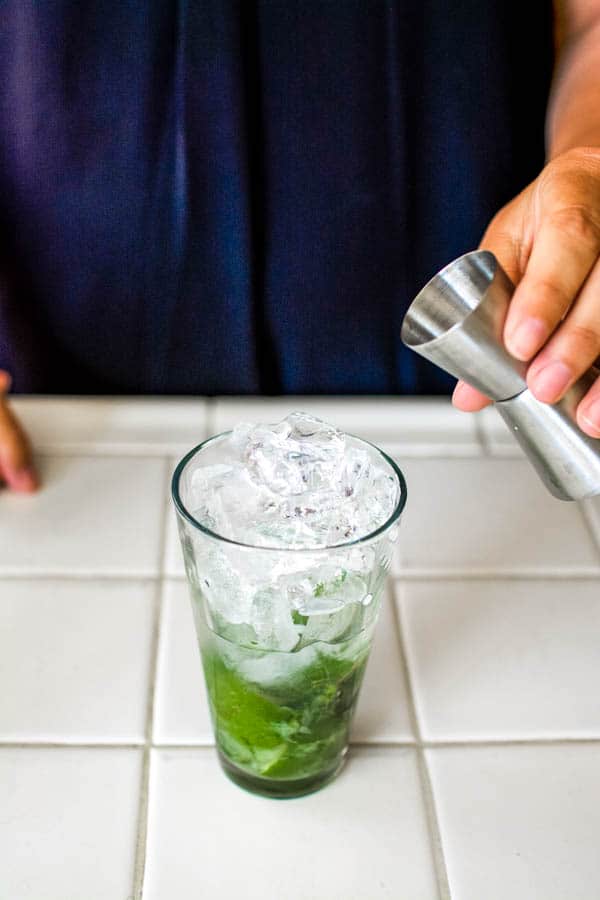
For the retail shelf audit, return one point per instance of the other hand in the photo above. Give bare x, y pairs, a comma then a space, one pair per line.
548, 241
16, 467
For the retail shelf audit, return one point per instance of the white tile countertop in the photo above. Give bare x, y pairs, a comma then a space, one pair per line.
475, 767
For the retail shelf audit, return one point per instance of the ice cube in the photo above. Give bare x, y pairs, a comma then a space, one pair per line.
331, 628
272, 621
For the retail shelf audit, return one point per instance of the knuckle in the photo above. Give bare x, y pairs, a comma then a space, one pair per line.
555, 298
578, 223
586, 339
508, 247
582, 158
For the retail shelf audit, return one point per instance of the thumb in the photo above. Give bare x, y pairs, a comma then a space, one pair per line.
16, 466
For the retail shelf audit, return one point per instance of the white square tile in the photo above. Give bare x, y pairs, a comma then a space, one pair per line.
427, 427
181, 712
92, 515
68, 823
181, 709
488, 515
498, 438
504, 659
519, 822
110, 424
364, 836
398, 425
74, 660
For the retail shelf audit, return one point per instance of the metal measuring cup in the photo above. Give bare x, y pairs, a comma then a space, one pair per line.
456, 322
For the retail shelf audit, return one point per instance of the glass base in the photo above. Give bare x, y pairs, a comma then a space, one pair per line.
279, 788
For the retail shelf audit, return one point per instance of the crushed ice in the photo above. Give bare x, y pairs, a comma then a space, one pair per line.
298, 484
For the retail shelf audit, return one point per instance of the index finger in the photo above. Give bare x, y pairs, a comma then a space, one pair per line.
564, 251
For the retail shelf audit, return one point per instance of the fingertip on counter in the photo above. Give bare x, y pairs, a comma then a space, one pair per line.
23, 481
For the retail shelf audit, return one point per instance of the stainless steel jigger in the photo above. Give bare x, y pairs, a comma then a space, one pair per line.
456, 322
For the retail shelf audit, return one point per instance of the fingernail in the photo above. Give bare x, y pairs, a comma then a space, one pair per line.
22, 480
551, 381
527, 338
591, 417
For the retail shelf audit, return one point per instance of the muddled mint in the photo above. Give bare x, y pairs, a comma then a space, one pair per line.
323, 589
291, 728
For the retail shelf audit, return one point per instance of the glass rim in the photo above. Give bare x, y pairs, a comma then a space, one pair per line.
186, 514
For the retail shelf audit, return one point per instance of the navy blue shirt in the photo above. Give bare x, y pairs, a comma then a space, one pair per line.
209, 196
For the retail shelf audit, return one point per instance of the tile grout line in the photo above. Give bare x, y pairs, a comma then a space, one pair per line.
125, 451
71, 745
435, 838
97, 452
409, 575
585, 573
487, 743
140, 450
466, 744
482, 437
139, 863
589, 525
143, 807
91, 575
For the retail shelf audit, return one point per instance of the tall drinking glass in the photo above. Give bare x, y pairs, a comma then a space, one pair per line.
284, 637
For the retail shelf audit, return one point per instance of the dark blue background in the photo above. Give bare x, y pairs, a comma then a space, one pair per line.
225, 197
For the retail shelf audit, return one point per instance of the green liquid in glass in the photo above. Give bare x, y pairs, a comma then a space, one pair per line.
281, 717
292, 728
